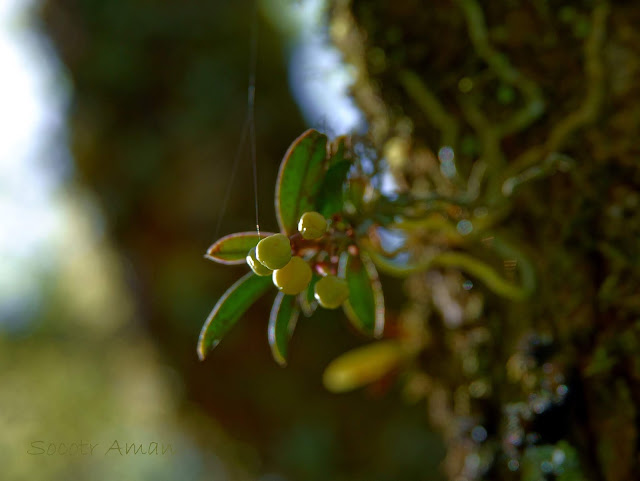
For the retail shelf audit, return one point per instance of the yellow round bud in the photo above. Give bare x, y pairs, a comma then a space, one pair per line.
258, 268
331, 292
294, 277
274, 251
312, 225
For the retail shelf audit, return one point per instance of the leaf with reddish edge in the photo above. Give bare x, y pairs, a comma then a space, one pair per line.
282, 322
300, 178
229, 308
365, 306
233, 248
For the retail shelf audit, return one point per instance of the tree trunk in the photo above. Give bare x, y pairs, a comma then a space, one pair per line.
538, 106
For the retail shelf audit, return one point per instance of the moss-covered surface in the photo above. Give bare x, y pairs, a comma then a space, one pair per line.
539, 102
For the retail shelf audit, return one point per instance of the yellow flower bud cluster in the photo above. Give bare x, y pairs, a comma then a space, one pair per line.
292, 274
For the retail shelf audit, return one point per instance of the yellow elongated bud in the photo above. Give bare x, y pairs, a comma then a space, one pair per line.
362, 366
294, 277
274, 251
312, 225
331, 292
257, 267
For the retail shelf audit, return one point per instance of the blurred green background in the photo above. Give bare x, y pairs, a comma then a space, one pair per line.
120, 122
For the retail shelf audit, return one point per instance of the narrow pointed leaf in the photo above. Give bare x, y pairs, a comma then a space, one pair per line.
300, 179
331, 195
233, 304
355, 192
338, 150
365, 306
233, 248
282, 322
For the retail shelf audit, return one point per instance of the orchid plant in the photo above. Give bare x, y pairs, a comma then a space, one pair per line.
316, 176
333, 223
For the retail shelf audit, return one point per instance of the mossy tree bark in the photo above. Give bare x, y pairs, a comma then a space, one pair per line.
539, 104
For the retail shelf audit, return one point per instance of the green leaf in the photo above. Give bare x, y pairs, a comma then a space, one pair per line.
300, 178
233, 248
282, 322
233, 303
355, 193
331, 196
338, 150
365, 306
